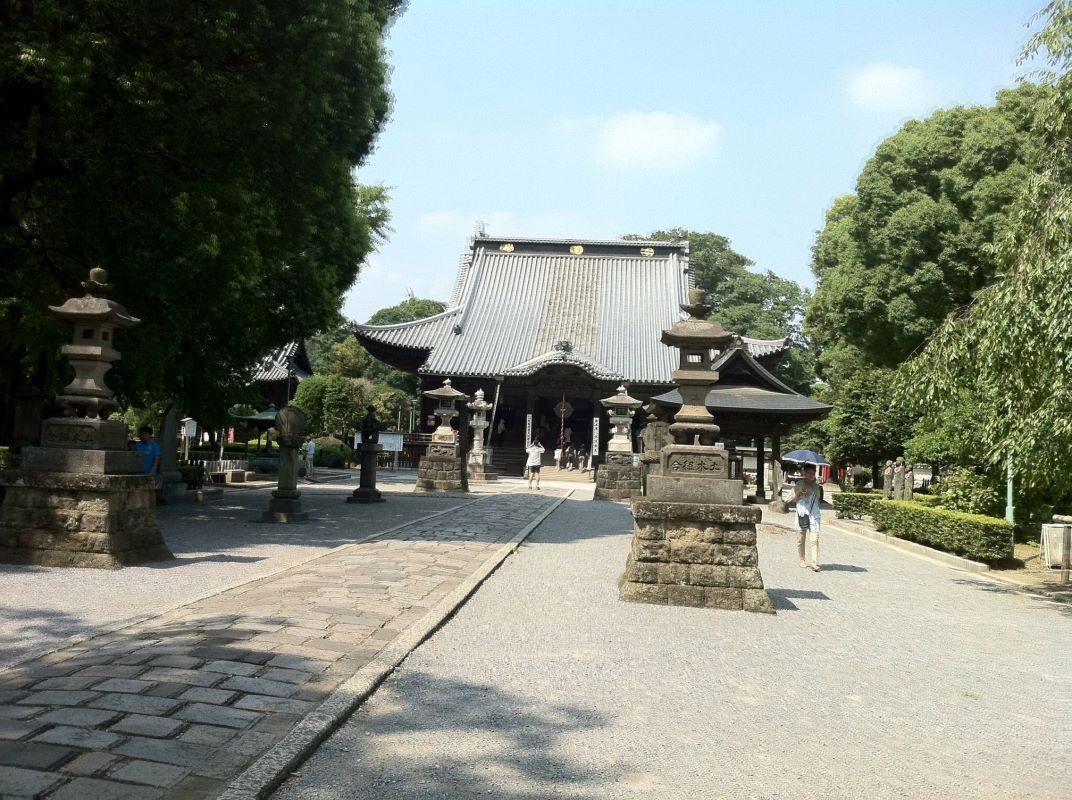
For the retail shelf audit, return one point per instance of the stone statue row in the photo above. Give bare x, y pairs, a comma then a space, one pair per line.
898, 480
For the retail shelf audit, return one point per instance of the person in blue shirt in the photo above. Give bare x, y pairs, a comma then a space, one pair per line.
150, 448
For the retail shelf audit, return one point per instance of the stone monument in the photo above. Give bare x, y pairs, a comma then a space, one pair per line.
440, 468
82, 498
909, 482
369, 452
479, 459
616, 477
887, 481
285, 505
694, 543
898, 479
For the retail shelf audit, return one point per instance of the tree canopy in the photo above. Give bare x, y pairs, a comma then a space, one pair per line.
409, 310
914, 240
204, 155
1011, 348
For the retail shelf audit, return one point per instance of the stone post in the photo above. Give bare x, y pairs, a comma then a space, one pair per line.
898, 479
761, 469
369, 453
285, 505
440, 468
172, 486
887, 481
616, 477
82, 498
909, 482
479, 462
694, 543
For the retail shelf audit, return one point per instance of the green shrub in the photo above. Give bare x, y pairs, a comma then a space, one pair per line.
853, 505
193, 475
961, 489
928, 500
969, 535
333, 456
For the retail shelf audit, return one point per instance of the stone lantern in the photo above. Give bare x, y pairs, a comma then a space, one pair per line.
695, 539
617, 478
440, 468
478, 457
285, 505
83, 499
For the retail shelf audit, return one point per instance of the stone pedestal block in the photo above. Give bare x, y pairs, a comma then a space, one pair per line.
63, 519
439, 473
366, 492
619, 481
479, 473
284, 510
695, 554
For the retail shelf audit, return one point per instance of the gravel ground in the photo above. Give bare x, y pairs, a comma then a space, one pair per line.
216, 545
884, 676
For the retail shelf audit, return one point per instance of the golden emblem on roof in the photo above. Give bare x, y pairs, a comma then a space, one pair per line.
647, 251
507, 247
576, 249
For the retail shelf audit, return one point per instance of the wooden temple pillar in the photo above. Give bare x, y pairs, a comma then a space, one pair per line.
761, 482
776, 464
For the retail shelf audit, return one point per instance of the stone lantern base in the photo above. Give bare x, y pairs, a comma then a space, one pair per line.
618, 479
695, 554
80, 508
480, 470
439, 470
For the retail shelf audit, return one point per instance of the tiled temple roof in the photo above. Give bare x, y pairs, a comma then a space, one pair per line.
276, 365
520, 304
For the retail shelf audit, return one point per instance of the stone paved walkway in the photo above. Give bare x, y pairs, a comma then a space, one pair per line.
177, 706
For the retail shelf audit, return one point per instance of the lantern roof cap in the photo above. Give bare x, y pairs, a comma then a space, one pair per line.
446, 392
95, 306
621, 400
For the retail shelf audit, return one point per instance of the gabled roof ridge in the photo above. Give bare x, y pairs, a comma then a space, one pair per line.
558, 355
761, 372
679, 243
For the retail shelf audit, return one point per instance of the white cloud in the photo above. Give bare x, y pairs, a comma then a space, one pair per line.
458, 225
653, 140
891, 88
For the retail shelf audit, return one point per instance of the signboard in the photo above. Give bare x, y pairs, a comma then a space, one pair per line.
391, 442
189, 428
595, 436
528, 429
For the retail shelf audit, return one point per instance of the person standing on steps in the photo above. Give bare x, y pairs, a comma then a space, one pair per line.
808, 495
532, 464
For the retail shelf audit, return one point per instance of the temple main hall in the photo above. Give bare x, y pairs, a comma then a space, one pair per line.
549, 327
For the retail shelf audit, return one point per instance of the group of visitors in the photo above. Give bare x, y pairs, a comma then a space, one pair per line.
570, 458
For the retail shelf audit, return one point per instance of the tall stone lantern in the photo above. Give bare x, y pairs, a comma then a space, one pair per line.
440, 468
478, 456
617, 478
285, 505
695, 540
83, 499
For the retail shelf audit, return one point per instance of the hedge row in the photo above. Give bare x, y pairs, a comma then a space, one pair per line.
969, 535
929, 500
853, 504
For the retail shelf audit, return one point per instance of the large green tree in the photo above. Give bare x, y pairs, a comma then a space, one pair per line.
1011, 349
203, 153
758, 304
915, 240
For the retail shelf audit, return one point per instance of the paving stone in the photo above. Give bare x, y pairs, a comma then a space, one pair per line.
33, 755
286, 675
136, 704
260, 686
89, 764
197, 787
18, 712
78, 737
12, 729
67, 682
112, 671
298, 663
232, 667
11, 695
142, 725
217, 715
212, 762
127, 685
18, 782
150, 772
167, 689
78, 717
57, 698
187, 676
253, 742
98, 789
206, 734
258, 702
217, 697
180, 661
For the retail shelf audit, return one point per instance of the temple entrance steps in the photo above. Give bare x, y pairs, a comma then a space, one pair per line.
565, 475
509, 461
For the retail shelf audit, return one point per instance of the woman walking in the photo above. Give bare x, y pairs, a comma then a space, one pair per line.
808, 495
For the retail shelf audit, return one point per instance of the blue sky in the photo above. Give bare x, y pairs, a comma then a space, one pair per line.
595, 119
